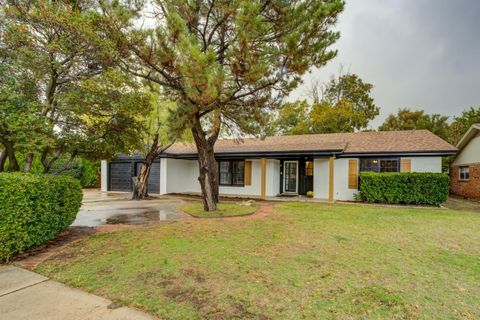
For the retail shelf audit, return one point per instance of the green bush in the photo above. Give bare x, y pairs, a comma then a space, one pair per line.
34, 209
404, 188
86, 171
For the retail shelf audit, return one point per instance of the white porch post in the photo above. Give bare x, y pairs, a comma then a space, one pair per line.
163, 176
104, 176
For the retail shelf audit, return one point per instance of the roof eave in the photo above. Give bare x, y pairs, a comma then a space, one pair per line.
471, 132
431, 153
258, 154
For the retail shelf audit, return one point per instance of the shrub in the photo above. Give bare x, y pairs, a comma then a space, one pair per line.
86, 171
34, 209
404, 188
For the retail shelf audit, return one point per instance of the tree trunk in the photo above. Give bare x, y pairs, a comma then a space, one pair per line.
3, 159
12, 159
208, 175
140, 183
28, 162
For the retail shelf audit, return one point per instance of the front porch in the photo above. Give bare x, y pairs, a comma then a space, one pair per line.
297, 177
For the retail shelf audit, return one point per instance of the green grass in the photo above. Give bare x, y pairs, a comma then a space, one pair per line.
224, 210
304, 261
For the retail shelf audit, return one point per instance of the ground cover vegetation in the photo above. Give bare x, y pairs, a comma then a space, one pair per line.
303, 261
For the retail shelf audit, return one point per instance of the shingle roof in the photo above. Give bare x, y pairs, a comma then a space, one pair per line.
415, 141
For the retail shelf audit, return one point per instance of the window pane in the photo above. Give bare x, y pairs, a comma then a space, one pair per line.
309, 168
225, 174
367, 165
388, 165
464, 173
238, 172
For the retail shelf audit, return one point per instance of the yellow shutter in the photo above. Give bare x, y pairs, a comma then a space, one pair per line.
248, 172
406, 165
353, 174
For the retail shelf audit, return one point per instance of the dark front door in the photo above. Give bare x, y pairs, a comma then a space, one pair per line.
290, 174
308, 176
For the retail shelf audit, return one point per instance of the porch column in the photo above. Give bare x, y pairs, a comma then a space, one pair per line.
104, 176
331, 176
263, 186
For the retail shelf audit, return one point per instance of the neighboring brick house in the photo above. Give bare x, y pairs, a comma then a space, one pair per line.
465, 170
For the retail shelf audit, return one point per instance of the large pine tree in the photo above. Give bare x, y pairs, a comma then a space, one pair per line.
225, 62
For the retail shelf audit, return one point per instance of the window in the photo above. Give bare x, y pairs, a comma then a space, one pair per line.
464, 173
232, 173
309, 168
225, 173
388, 166
379, 165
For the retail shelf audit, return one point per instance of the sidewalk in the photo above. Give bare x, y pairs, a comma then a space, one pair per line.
27, 295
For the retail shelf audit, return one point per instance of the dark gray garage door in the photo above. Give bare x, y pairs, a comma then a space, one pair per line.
120, 176
153, 178
121, 173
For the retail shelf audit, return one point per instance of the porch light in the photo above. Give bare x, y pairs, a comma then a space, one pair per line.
375, 161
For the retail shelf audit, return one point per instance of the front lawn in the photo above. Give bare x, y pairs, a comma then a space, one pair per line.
304, 261
224, 210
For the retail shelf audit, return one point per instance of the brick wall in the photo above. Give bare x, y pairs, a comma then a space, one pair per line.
468, 189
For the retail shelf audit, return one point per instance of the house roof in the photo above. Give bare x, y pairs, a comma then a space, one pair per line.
469, 135
407, 142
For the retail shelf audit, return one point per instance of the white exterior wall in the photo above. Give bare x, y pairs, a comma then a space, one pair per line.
273, 178
104, 176
342, 192
320, 178
177, 176
252, 190
426, 164
272, 181
470, 153
340, 181
321, 174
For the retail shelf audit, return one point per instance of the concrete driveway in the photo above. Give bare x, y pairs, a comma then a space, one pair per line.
25, 295
99, 208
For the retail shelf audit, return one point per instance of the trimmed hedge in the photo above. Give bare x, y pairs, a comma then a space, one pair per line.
404, 188
34, 209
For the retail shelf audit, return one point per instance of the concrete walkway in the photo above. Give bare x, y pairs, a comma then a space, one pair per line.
99, 208
27, 295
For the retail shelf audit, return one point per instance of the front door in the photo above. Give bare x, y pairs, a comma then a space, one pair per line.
290, 174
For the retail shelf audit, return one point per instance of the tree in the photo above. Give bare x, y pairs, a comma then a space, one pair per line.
156, 139
101, 116
292, 118
225, 63
21, 125
462, 123
343, 104
350, 92
406, 119
327, 118
86, 106
52, 42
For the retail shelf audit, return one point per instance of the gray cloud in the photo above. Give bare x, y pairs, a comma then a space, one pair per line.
417, 53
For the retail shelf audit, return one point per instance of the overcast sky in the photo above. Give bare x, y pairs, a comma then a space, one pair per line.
417, 53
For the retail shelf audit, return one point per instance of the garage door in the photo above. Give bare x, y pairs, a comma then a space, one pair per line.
153, 178
120, 176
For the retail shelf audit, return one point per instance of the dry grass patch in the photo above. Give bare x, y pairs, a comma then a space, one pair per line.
223, 210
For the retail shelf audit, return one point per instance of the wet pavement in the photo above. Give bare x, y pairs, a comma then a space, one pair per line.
100, 208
